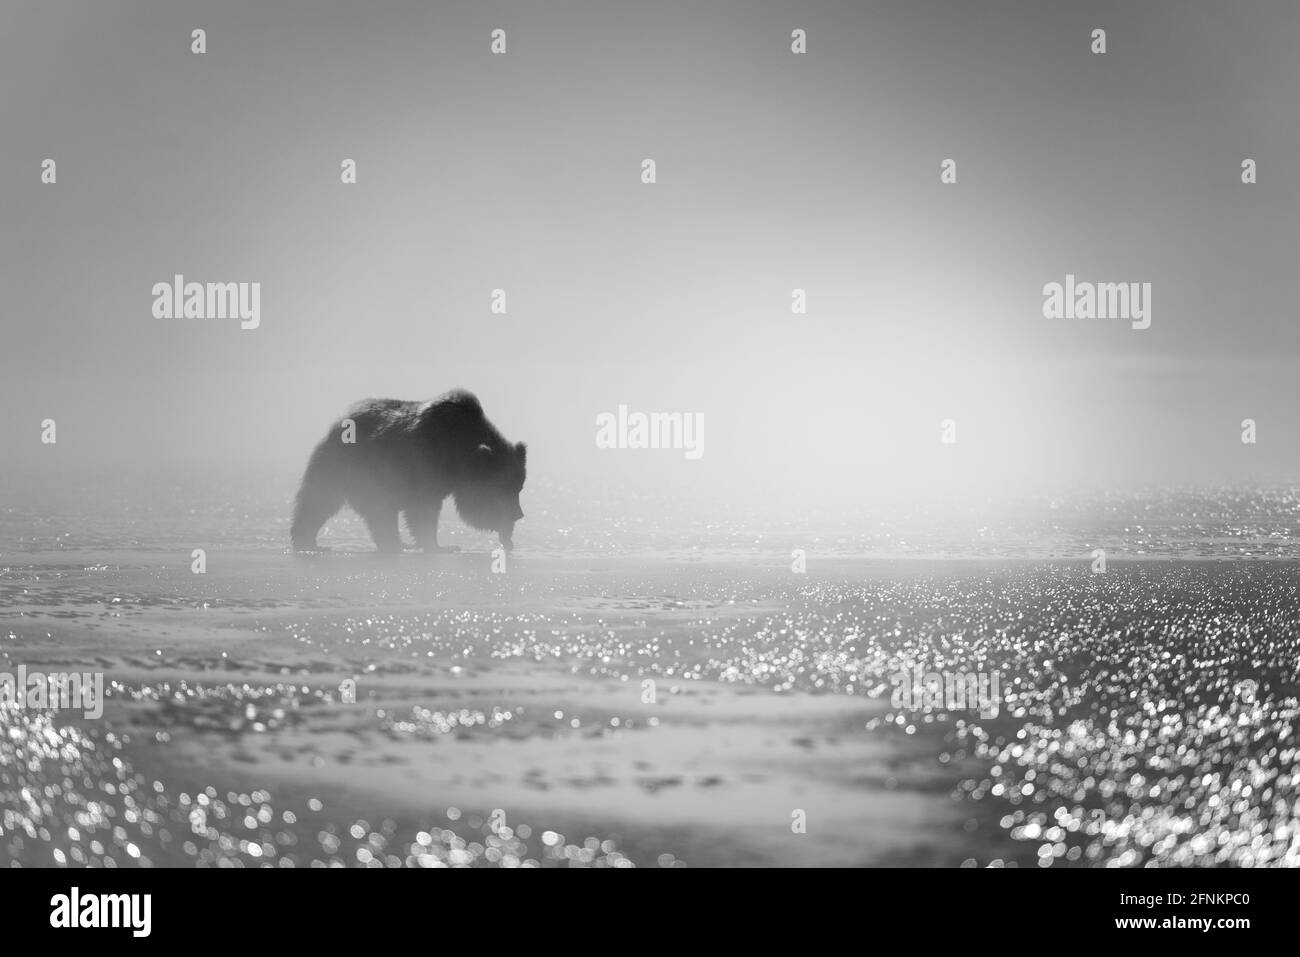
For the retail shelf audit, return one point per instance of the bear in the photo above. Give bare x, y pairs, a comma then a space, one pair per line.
389, 456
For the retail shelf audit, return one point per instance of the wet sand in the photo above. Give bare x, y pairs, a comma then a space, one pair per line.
503, 720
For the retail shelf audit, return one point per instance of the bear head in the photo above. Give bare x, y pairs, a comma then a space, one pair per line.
489, 497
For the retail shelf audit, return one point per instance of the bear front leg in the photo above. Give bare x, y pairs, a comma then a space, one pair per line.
422, 520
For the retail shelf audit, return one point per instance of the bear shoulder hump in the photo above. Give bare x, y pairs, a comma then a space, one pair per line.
464, 398
459, 401
372, 407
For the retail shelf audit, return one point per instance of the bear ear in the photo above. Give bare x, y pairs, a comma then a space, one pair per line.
521, 450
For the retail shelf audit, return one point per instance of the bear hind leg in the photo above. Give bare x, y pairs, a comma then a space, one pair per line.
422, 520
382, 523
317, 501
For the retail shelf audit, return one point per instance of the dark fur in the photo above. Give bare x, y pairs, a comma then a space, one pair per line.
408, 457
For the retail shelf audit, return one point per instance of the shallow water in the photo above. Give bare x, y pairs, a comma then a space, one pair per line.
123, 515
506, 719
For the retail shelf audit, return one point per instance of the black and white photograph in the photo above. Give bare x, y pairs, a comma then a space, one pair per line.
699, 434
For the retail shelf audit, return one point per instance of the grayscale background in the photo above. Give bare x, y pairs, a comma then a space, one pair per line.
775, 172
680, 657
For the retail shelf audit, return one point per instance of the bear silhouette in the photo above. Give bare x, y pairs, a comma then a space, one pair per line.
388, 456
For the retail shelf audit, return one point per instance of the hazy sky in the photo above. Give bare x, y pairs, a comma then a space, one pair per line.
775, 171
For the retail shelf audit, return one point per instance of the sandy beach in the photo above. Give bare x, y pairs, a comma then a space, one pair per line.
505, 719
